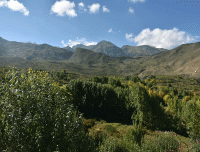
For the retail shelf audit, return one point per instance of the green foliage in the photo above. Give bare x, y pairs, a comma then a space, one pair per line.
60, 75
110, 129
149, 85
185, 93
102, 80
196, 146
149, 112
135, 135
194, 88
35, 116
160, 143
114, 82
174, 90
152, 76
88, 123
169, 85
111, 145
191, 115
97, 100
133, 78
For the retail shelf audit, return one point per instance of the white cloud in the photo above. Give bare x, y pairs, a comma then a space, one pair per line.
158, 38
90, 43
78, 41
105, 9
15, 6
3, 3
81, 4
110, 30
63, 43
130, 10
64, 7
82, 7
135, 1
128, 37
94, 8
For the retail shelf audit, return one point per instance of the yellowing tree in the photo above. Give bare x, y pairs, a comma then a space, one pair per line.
161, 94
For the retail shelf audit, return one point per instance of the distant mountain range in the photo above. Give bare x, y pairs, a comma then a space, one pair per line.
33, 52
112, 50
36, 52
103, 58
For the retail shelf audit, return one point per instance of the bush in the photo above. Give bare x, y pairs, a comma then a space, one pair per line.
160, 143
111, 145
110, 129
36, 116
135, 135
88, 123
191, 115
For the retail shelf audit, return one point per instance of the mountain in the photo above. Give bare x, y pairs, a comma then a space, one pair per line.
112, 50
85, 56
34, 52
108, 48
69, 48
83, 46
183, 59
143, 50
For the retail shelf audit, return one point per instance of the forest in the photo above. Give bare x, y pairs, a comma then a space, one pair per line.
59, 111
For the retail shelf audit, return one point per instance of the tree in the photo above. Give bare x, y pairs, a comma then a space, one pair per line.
37, 116
148, 110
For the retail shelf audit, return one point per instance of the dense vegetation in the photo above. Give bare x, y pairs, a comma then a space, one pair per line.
39, 113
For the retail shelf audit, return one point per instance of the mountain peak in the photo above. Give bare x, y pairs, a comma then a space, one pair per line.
1, 38
104, 41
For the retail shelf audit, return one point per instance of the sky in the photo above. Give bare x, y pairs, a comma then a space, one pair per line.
158, 23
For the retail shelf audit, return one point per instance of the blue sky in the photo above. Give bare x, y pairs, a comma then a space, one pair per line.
159, 23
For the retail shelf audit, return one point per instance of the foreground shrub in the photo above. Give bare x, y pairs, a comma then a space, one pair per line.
160, 143
196, 146
135, 135
111, 145
36, 116
191, 115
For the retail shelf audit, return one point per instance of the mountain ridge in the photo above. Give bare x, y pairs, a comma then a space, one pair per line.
184, 59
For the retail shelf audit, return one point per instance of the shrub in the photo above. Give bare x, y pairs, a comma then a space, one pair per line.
135, 135
88, 123
160, 143
191, 115
35, 116
111, 145
110, 129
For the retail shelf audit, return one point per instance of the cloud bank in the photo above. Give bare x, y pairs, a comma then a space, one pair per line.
78, 41
158, 38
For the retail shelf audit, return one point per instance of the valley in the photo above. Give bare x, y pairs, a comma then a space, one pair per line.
164, 81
